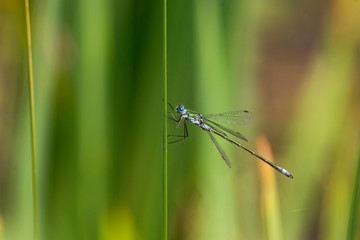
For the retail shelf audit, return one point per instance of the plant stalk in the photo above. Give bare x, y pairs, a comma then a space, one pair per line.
354, 209
32, 116
165, 149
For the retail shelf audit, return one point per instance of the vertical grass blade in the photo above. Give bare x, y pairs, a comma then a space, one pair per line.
354, 209
92, 111
217, 211
32, 115
165, 204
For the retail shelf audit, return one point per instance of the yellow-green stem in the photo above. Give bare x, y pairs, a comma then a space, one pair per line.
165, 212
354, 210
32, 115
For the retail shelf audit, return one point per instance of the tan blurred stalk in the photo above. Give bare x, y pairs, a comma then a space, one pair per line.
268, 192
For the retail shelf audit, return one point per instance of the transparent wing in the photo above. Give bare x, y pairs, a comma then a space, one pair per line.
235, 117
221, 151
216, 129
232, 132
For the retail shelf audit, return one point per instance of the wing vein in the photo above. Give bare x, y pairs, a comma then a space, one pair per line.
234, 117
221, 151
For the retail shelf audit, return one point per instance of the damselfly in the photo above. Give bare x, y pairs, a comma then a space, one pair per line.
209, 123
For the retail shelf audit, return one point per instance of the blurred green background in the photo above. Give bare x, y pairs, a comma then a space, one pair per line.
98, 100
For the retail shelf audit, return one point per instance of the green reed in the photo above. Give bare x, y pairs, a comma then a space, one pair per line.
32, 115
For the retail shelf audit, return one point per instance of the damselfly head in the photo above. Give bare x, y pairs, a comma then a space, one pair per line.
180, 109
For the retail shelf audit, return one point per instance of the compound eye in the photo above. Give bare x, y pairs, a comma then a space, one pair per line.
181, 106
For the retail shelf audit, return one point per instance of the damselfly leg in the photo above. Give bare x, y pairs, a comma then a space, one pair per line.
182, 137
178, 120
